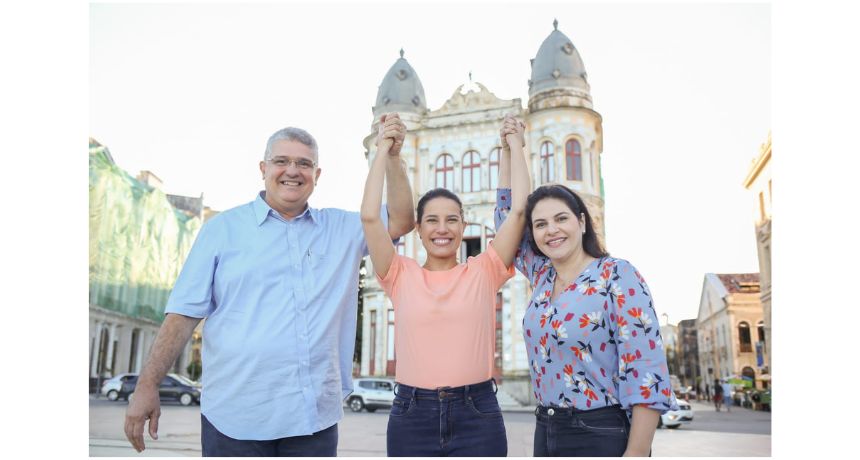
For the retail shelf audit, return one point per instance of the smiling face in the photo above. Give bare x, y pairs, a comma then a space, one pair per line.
288, 187
441, 228
557, 231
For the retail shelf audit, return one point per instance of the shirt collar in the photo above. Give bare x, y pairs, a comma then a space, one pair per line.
262, 210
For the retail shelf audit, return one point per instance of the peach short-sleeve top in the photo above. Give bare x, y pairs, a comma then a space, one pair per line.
444, 329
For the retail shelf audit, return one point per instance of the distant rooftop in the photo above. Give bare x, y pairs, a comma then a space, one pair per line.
189, 204
741, 282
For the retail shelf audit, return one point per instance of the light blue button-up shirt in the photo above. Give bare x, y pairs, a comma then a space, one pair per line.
280, 301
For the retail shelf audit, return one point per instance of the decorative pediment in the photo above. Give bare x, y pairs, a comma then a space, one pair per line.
471, 100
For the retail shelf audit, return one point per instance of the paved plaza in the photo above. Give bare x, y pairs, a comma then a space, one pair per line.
739, 433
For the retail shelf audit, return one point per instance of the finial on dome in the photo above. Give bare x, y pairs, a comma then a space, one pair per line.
555, 24
401, 52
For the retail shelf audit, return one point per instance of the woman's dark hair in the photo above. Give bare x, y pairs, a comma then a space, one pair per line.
437, 193
590, 243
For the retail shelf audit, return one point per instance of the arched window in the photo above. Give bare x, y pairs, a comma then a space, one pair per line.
494, 168
547, 165
471, 172
760, 327
573, 159
445, 171
744, 336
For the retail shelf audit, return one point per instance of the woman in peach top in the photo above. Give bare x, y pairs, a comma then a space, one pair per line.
445, 402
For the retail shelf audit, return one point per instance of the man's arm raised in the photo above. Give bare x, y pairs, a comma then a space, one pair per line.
401, 208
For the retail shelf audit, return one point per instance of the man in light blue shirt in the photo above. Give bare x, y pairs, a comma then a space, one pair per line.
277, 282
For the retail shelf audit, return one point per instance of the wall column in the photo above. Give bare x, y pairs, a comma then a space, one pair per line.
94, 358
110, 350
141, 349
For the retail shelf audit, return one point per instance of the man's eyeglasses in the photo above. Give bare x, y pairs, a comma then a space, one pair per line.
283, 162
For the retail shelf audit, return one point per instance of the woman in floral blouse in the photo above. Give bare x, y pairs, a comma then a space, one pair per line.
596, 359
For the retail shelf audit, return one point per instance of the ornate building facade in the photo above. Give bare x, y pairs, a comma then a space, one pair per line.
457, 147
758, 181
730, 320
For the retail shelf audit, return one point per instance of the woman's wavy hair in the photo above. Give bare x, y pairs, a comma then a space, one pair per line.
590, 242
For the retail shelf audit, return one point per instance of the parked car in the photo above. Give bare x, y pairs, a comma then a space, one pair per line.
674, 418
371, 393
111, 386
686, 393
173, 388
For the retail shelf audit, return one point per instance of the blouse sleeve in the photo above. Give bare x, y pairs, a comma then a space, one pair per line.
642, 369
526, 261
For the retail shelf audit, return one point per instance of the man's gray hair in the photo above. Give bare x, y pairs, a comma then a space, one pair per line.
291, 134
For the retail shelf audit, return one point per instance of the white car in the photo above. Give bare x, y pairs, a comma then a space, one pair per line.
371, 393
111, 386
674, 418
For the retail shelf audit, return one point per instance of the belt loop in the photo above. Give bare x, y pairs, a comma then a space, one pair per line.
414, 399
495, 385
466, 393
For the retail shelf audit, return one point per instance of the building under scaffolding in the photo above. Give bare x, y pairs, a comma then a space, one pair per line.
139, 239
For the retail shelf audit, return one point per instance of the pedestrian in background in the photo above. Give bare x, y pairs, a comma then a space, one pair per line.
718, 395
276, 281
728, 391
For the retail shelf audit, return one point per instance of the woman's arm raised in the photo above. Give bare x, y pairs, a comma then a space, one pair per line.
510, 233
378, 240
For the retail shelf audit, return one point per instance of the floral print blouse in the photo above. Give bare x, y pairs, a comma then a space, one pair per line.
598, 344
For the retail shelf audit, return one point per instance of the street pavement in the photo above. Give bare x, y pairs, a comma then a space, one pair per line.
739, 433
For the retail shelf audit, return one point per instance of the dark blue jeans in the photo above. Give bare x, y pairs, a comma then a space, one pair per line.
447, 422
567, 432
216, 444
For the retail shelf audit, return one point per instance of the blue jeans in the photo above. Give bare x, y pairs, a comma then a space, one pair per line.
216, 444
464, 421
568, 432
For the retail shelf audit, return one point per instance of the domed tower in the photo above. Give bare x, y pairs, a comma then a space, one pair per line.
566, 134
401, 91
558, 75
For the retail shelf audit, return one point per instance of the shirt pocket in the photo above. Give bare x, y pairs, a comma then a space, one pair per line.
321, 273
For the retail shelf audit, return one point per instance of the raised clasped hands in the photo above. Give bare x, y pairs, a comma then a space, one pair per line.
512, 130
392, 132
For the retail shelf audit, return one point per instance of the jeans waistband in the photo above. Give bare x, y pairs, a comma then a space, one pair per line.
553, 411
407, 391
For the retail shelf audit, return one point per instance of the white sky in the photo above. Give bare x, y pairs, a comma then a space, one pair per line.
192, 92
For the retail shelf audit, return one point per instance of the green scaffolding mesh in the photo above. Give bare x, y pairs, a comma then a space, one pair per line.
138, 240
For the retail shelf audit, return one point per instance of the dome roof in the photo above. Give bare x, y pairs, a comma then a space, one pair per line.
557, 64
400, 91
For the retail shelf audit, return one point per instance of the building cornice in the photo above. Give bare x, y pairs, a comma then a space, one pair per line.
759, 163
